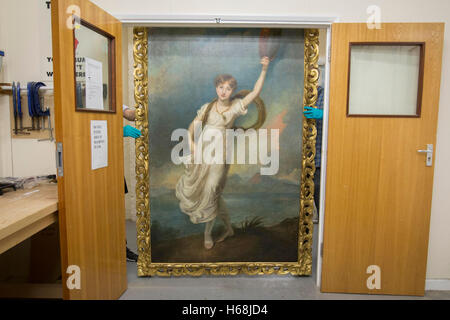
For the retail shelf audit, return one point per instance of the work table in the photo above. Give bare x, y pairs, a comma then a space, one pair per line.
26, 212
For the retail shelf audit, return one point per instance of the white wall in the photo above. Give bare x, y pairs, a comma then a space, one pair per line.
346, 11
128, 143
24, 35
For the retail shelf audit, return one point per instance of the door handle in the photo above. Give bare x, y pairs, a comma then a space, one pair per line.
429, 153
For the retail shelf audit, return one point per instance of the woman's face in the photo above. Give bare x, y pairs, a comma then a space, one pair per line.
224, 91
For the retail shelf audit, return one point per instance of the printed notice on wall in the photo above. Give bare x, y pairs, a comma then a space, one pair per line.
94, 87
99, 144
44, 41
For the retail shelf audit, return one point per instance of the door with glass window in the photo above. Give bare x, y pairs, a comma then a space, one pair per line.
87, 65
384, 98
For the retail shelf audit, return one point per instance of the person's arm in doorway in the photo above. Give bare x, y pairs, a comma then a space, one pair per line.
128, 113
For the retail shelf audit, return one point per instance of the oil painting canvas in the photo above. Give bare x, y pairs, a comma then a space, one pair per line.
225, 144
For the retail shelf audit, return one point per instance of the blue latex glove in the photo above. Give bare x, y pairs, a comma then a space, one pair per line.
129, 131
313, 113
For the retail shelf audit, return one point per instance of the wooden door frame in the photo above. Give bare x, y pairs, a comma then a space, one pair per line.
323, 165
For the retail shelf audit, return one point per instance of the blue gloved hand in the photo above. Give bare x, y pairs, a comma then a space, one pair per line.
129, 131
313, 113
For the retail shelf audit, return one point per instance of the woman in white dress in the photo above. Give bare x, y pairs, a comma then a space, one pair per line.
200, 187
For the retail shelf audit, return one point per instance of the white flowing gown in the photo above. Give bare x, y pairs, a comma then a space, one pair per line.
200, 187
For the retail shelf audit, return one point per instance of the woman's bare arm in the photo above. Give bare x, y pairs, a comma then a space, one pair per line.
248, 99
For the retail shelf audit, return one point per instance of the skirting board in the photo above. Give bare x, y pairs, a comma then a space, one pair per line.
437, 284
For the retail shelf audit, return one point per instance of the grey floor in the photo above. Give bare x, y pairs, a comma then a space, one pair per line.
237, 287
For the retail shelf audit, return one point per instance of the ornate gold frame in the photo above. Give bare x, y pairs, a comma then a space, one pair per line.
145, 266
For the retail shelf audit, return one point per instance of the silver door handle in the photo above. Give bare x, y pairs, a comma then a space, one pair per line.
429, 153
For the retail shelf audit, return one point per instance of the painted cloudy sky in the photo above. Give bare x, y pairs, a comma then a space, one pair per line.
182, 66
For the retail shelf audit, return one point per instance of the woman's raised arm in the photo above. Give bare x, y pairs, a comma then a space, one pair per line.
258, 85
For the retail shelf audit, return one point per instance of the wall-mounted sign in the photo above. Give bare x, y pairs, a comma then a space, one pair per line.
45, 41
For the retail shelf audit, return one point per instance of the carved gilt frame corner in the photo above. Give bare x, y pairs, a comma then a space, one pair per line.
145, 266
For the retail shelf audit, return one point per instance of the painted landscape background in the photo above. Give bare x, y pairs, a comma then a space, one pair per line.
263, 209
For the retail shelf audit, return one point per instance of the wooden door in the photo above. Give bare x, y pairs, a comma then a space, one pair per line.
378, 191
91, 202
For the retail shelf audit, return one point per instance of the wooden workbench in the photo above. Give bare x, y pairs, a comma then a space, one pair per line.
26, 212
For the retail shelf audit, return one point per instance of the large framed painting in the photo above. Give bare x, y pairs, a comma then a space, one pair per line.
225, 164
